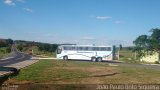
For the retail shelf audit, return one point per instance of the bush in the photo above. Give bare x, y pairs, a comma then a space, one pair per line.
2, 50
20, 47
47, 47
130, 60
157, 62
8, 49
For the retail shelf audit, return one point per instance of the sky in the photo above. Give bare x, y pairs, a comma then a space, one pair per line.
100, 22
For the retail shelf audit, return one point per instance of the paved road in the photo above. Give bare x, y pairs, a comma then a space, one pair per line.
18, 57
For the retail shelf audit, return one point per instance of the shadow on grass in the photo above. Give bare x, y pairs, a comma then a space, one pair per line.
104, 75
106, 61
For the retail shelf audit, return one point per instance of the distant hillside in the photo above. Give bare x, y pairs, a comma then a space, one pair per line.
37, 48
6, 42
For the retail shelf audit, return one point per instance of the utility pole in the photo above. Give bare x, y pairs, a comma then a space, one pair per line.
118, 53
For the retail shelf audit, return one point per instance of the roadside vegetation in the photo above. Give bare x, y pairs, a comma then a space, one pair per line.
83, 72
148, 44
38, 52
128, 55
4, 51
5, 47
144, 45
37, 48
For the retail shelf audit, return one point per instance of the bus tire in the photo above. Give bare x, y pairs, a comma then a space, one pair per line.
93, 59
99, 59
65, 57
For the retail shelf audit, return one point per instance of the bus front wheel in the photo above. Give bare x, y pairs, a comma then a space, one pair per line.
93, 59
65, 57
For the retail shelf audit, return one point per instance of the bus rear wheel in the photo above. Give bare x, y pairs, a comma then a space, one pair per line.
65, 57
93, 59
99, 59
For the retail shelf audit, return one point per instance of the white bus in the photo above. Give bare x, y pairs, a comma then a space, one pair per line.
81, 52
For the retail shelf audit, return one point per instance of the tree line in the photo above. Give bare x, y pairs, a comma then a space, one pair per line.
7, 43
148, 44
47, 47
41, 46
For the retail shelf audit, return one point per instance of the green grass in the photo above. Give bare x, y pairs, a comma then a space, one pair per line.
31, 72
133, 74
3, 52
125, 54
58, 71
50, 70
128, 56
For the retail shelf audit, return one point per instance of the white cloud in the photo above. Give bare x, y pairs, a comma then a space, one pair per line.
103, 17
28, 10
118, 22
9, 2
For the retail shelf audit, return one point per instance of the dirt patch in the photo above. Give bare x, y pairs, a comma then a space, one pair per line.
13, 81
102, 71
103, 75
89, 69
93, 71
96, 75
88, 80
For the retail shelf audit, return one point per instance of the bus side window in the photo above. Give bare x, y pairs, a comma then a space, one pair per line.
73, 48
103, 49
80, 48
86, 48
94, 48
90, 49
108, 48
65, 48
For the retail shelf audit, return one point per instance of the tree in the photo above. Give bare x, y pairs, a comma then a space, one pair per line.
20, 47
8, 49
9, 41
47, 47
3, 44
148, 44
